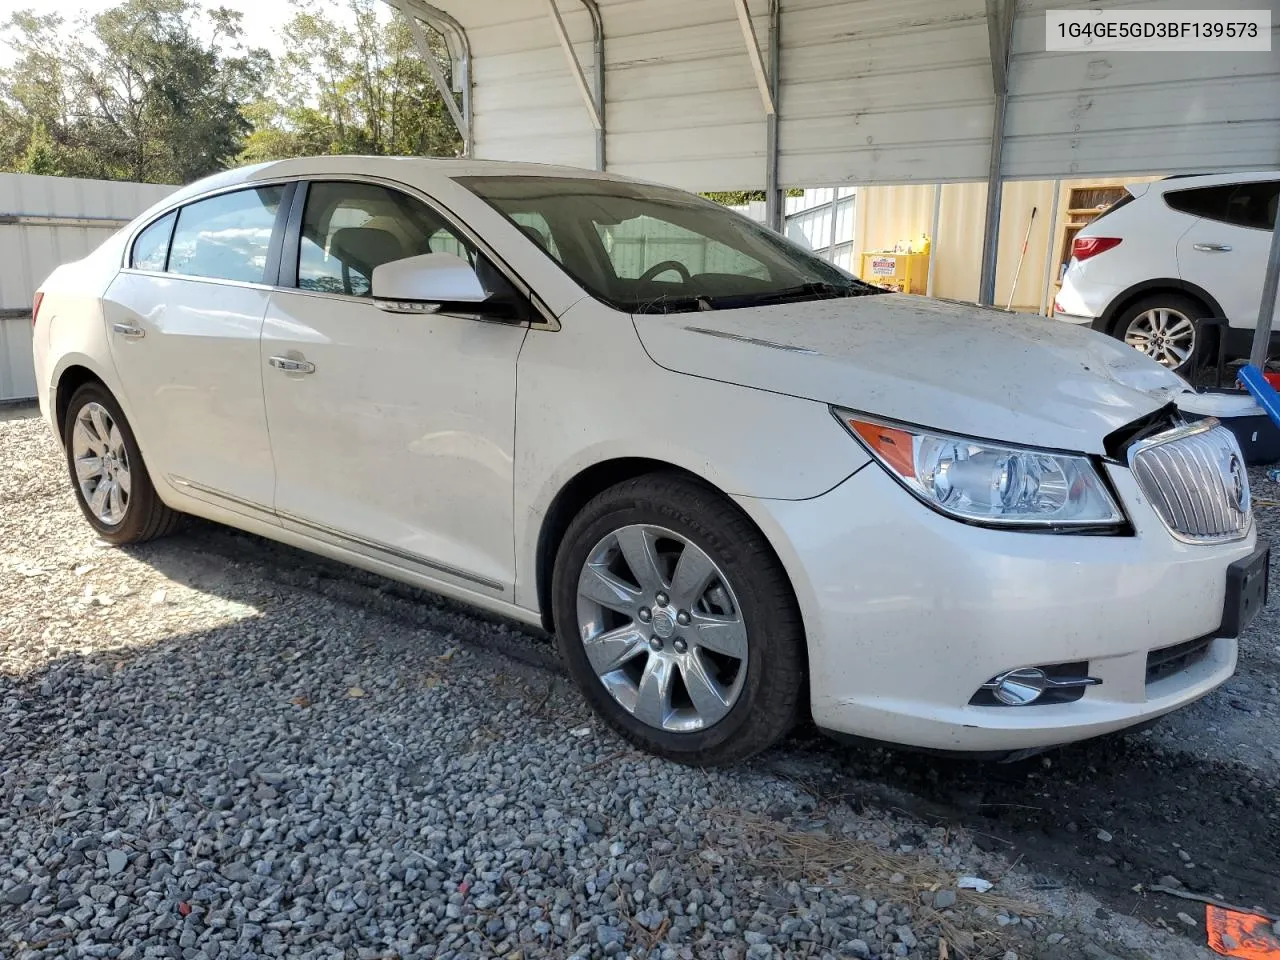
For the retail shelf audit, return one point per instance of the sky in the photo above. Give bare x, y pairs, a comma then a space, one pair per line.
262, 18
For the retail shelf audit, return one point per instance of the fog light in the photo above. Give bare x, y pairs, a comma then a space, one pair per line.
1019, 687
1046, 683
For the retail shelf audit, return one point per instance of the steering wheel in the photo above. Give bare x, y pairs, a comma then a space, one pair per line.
660, 268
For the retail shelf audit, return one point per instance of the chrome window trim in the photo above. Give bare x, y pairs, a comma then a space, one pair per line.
221, 281
185, 202
549, 322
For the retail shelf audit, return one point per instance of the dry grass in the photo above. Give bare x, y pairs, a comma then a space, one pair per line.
819, 858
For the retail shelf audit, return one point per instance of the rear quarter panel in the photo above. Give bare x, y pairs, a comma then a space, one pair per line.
70, 330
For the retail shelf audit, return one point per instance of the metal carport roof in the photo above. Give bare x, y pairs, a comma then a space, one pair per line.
749, 94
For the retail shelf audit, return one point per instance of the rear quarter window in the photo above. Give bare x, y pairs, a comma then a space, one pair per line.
151, 246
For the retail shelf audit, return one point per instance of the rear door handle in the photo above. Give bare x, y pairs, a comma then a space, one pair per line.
1212, 247
129, 330
292, 365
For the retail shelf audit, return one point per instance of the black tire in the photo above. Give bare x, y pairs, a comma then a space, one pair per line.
773, 692
145, 515
1204, 347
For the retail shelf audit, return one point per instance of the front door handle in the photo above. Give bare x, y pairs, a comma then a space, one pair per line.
1212, 247
292, 365
129, 330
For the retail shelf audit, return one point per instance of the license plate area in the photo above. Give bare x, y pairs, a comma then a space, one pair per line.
1246, 591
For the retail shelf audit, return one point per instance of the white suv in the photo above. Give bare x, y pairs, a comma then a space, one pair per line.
1169, 255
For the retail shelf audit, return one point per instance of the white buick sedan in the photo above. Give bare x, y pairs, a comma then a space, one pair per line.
737, 483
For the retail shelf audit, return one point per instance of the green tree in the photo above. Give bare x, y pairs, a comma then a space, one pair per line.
143, 97
362, 88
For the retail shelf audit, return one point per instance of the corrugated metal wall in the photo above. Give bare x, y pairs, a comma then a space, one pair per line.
29, 252
525, 102
678, 65
1098, 114
886, 215
877, 92
872, 93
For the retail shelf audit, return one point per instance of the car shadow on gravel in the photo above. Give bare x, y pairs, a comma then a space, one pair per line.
1111, 816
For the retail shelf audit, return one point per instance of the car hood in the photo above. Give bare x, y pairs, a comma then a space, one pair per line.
951, 366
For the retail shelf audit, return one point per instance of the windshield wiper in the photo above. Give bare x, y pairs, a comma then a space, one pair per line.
670, 304
813, 290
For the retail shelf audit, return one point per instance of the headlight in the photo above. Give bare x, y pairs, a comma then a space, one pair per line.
988, 483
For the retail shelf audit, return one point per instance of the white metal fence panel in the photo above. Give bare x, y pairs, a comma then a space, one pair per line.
1118, 113
46, 221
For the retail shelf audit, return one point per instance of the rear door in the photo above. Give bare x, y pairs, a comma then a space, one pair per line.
1225, 251
184, 320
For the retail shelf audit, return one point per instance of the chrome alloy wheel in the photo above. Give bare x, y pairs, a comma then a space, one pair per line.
1163, 334
101, 463
662, 628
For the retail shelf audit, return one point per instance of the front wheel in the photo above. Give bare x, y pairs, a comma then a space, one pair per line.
678, 623
108, 475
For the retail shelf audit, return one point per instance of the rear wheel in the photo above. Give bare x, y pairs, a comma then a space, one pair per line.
1166, 327
108, 475
678, 623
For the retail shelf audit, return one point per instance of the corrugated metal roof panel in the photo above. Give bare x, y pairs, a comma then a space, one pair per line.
1111, 113
683, 106
884, 93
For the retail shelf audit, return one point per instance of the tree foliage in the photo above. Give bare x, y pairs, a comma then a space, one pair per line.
357, 88
131, 93
166, 91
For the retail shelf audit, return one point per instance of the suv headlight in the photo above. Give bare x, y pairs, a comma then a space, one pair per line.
988, 483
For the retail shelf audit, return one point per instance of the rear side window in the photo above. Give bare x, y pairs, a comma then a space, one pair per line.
226, 237
151, 247
1210, 202
1254, 205
348, 229
1239, 204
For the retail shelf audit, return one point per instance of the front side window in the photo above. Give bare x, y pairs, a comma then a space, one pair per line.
151, 247
226, 237
643, 248
348, 229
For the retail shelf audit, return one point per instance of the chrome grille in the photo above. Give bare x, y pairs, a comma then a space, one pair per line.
1195, 478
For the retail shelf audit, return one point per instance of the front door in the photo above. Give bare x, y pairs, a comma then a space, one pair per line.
1225, 251
392, 434
184, 321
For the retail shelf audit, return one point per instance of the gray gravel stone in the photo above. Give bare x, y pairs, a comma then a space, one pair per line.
194, 777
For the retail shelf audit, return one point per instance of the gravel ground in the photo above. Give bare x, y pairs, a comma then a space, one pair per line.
214, 746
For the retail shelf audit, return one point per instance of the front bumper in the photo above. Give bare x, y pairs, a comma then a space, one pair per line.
908, 612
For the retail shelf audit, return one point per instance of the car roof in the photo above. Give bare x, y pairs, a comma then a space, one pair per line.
1185, 181
420, 170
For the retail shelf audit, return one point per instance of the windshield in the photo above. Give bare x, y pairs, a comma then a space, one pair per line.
646, 249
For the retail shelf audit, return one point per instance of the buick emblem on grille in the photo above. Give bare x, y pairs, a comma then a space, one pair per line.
1236, 485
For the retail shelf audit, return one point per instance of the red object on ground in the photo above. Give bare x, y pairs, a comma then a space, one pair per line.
1242, 935
184, 909
1273, 379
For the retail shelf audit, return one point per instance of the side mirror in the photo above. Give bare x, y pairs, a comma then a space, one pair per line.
427, 284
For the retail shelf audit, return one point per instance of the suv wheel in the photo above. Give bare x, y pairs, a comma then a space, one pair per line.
1166, 327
